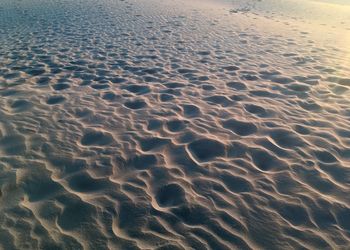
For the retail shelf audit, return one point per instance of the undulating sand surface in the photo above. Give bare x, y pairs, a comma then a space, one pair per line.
163, 124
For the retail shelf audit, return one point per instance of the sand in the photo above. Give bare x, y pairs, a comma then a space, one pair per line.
174, 124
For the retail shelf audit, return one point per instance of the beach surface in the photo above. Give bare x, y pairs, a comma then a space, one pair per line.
163, 124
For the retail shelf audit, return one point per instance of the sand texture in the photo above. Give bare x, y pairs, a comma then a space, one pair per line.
151, 124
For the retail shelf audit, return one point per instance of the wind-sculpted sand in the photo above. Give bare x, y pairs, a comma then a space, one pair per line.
171, 125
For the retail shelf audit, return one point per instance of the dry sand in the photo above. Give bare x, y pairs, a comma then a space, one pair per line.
156, 124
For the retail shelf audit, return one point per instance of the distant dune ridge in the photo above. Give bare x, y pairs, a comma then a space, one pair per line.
174, 124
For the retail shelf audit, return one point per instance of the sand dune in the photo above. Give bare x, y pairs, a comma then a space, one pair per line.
174, 125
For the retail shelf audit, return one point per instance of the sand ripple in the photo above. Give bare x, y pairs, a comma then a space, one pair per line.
171, 125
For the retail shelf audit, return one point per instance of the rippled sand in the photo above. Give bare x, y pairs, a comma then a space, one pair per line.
174, 125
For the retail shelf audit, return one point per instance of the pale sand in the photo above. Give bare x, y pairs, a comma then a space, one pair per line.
156, 124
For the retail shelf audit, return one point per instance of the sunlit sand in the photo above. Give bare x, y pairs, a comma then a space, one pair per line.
173, 124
